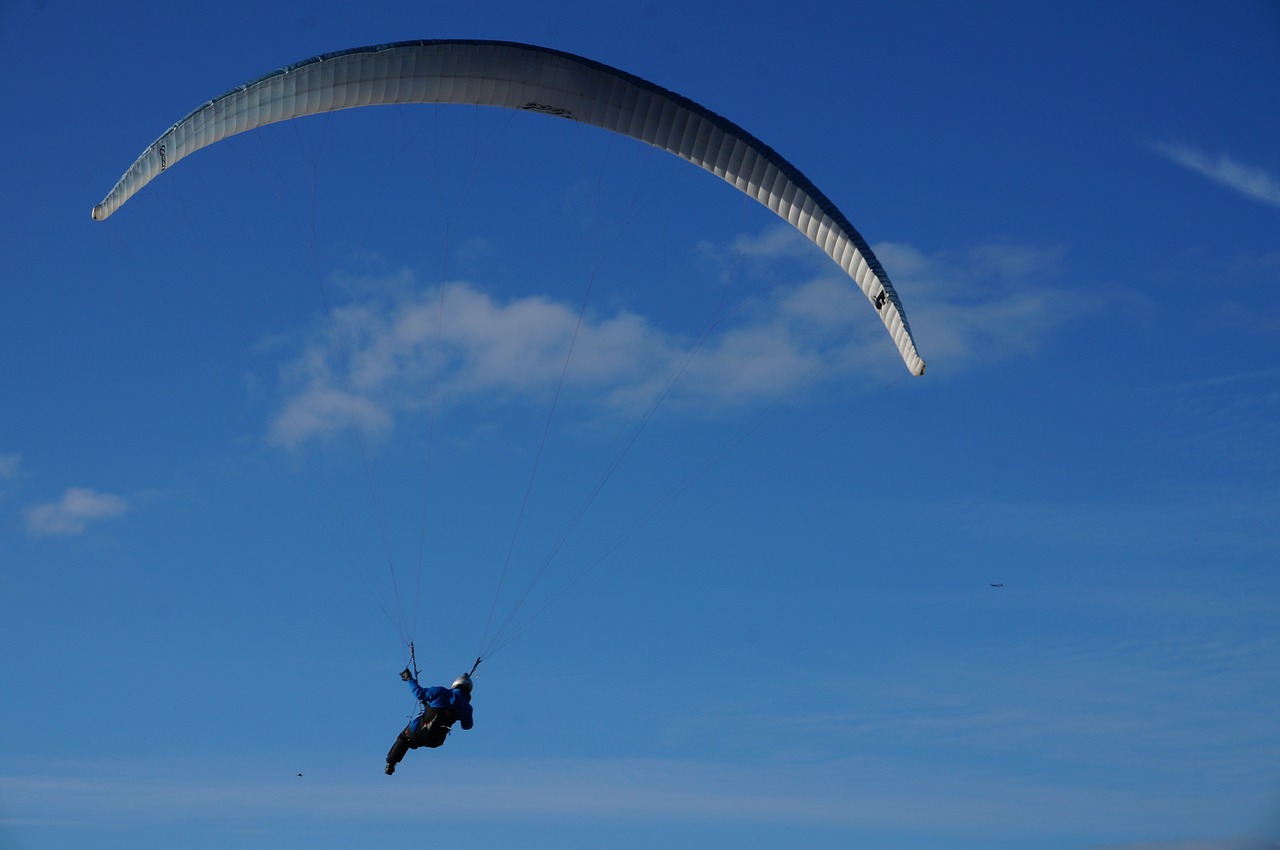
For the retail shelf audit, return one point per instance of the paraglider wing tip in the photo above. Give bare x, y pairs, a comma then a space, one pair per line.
919, 370
100, 212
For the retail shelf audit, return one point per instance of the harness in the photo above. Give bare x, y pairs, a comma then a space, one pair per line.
433, 727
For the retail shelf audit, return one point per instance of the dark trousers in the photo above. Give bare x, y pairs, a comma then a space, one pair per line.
404, 742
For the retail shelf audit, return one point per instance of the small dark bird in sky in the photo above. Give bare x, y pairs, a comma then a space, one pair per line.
991, 583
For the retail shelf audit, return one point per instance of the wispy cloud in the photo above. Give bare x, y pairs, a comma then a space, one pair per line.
869, 793
1247, 180
9, 466
985, 304
649, 789
1240, 842
772, 243
1151, 712
70, 515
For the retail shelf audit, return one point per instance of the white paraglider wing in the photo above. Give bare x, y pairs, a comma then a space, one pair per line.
519, 76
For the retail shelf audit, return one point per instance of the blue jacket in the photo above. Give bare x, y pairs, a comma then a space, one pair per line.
437, 697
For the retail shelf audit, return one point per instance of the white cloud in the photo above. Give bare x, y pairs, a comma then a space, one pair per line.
1247, 180
383, 355
395, 347
324, 410
77, 507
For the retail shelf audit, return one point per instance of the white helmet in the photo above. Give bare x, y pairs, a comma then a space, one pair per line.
463, 683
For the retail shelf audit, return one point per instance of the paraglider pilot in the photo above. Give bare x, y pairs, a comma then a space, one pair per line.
441, 707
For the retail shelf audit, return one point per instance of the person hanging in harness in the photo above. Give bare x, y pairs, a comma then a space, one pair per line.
441, 707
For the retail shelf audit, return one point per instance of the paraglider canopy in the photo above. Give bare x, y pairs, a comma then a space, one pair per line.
536, 79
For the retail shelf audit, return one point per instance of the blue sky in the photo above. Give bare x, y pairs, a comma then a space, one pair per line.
772, 624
